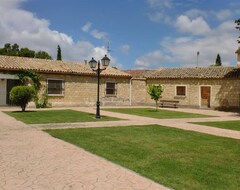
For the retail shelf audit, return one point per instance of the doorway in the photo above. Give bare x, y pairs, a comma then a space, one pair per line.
205, 96
10, 84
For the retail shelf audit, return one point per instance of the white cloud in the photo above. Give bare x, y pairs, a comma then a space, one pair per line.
27, 30
10, 3
196, 26
195, 13
86, 27
224, 14
158, 11
97, 34
160, 3
125, 48
153, 59
159, 16
182, 51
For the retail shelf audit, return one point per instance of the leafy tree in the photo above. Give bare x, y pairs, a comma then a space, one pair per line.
155, 91
25, 52
13, 50
238, 28
218, 61
59, 53
21, 95
10, 50
42, 55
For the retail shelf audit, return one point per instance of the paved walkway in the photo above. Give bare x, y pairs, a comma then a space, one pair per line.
176, 123
31, 159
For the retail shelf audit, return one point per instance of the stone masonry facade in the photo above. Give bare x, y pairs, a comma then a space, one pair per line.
82, 90
225, 93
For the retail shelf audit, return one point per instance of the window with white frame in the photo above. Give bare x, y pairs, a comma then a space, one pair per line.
111, 88
55, 87
181, 90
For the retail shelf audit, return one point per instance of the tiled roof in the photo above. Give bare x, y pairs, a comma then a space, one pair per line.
198, 72
52, 66
137, 73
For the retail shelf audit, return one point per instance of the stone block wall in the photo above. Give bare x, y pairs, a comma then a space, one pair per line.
138, 92
82, 90
225, 93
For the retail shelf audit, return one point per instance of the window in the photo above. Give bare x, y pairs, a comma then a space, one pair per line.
110, 88
181, 90
55, 87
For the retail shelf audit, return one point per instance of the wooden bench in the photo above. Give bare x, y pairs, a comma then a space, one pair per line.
169, 103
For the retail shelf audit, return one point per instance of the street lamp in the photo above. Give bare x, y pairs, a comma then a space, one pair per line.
95, 66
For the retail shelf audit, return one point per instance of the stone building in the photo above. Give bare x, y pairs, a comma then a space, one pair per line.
75, 84
67, 83
206, 87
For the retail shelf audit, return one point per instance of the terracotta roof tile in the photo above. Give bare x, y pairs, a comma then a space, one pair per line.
199, 72
137, 73
52, 66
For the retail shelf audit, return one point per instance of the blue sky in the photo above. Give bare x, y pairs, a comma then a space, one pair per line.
143, 34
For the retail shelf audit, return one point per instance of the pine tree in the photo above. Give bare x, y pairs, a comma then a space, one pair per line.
218, 61
59, 53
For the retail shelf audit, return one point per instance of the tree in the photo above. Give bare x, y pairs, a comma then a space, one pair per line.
155, 91
238, 28
13, 50
25, 52
21, 95
218, 61
42, 55
59, 53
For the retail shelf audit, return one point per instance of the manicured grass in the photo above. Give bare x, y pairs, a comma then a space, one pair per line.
175, 158
160, 114
233, 125
56, 116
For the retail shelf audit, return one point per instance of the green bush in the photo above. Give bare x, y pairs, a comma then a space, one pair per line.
155, 91
21, 95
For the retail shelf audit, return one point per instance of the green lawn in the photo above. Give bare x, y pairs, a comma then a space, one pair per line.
56, 116
175, 158
160, 114
233, 125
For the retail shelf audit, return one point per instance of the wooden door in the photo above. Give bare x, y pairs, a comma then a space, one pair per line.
205, 96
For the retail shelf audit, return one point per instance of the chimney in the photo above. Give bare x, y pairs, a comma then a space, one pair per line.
238, 57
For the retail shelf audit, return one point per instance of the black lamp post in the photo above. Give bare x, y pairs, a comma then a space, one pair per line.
95, 66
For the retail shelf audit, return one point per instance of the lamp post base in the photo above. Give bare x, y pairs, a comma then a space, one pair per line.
98, 110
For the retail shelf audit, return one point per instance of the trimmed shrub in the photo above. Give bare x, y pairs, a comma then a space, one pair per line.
21, 95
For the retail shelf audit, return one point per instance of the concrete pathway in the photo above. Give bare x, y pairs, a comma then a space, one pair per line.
31, 159
184, 123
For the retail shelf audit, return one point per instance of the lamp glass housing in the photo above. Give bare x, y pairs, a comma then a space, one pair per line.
92, 63
105, 61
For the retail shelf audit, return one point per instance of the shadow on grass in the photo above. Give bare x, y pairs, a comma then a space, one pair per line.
31, 111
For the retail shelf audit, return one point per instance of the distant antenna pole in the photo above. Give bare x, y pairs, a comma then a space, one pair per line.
108, 47
197, 58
